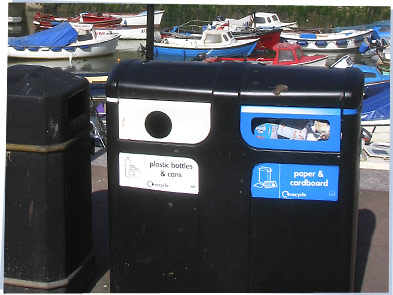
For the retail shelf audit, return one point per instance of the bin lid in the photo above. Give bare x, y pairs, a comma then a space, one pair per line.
45, 106
302, 86
249, 84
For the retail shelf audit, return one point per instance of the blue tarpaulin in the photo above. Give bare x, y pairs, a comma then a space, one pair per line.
58, 36
377, 107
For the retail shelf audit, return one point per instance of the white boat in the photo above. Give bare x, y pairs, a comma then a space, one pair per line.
257, 20
379, 129
62, 41
386, 52
126, 32
213, 43
14, 19
350, 39
137, 19
264, 20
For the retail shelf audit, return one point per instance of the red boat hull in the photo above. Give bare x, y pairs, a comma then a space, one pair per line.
267, 39
96, 20
291, 55
48, 21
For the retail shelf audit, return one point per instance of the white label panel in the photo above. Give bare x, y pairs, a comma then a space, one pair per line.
190, 120
162, 173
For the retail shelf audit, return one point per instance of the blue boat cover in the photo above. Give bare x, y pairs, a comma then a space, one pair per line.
383, 23
308, 36
377, 107
58, 36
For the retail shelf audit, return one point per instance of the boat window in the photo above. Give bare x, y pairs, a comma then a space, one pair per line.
275, 18
285, 55
349, 61
230, 35
269, 20
225, 37
84, 36
260, 20
213, 39
299, 52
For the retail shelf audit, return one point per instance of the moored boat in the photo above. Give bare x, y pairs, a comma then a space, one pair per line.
267, 38
190, 29
47, 21
285, 54
136, 19
14, 19
344, 40
193, 30
383, 23
213, 43
97, 19
372, 75
258, 20
126, 32
375, 113
62, 41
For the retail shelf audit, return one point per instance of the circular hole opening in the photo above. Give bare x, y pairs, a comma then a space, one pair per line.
158, 124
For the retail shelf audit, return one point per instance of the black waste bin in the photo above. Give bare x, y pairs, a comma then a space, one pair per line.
48, 218
232, 177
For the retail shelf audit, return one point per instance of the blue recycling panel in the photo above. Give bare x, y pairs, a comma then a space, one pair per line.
332, 115
295, 182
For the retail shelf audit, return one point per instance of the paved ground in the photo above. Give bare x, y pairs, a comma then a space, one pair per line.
371, 275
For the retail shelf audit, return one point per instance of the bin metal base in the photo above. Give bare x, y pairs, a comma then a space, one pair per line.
78, 280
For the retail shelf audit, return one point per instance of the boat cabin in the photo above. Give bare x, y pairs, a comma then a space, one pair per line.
216, 37
343, 62
265, 19
287, 53
85, 31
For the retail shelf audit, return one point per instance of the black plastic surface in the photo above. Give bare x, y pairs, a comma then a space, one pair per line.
44, 105
222, 239
48, 215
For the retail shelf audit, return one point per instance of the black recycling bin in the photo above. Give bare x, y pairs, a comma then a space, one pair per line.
232, 177
48, 215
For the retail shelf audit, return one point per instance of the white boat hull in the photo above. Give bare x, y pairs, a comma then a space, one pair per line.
328, 42
125, 32
102, 46
129, 19
380, 129
14, 19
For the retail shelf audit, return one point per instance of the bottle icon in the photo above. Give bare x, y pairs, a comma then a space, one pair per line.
130, 170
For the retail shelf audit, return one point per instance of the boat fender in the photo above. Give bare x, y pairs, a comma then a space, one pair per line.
363, 47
